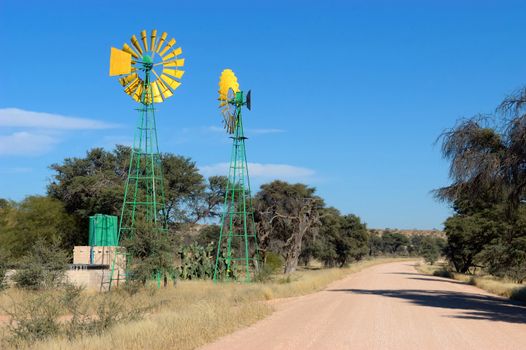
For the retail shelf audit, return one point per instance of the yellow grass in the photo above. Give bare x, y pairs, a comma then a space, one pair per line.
488, 283
198, 312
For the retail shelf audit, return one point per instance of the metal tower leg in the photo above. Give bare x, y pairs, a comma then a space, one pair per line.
237, 250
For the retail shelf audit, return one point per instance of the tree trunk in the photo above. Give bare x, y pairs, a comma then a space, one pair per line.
293, 254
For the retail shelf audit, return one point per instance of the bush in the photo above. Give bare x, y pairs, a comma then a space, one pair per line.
40, 317
519, 294
443, 273
34, 319
273, 263
44, 267
151, 251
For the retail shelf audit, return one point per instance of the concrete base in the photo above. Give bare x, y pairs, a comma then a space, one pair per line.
89, 279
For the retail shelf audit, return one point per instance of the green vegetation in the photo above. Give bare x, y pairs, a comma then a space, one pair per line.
44, 267
488, 229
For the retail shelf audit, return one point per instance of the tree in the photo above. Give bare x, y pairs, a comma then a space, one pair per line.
36, 218
285, 214
354, 241
152, 252
323, 245
429, 249
394, 243
184, 188
488, 189
95, 185
90, 185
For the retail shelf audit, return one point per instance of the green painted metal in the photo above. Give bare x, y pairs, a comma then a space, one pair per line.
144, 191
237, 246
103, 230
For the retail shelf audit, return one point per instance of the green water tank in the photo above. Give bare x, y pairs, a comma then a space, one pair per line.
103, 230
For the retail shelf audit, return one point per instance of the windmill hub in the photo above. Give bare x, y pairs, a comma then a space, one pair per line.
146, 59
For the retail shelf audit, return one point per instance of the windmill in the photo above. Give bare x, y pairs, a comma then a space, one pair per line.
237, 250
138, 65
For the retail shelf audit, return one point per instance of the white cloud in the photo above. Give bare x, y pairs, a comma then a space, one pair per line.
23, 143
264, 171
15, 117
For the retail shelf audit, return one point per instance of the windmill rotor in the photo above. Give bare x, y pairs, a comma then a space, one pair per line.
231, 99
135, 62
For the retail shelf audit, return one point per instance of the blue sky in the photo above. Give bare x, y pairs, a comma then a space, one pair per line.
348, 97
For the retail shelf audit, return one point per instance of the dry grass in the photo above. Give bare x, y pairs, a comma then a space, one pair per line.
197, 312
488, 283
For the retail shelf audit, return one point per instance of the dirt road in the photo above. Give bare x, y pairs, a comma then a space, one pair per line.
388, 306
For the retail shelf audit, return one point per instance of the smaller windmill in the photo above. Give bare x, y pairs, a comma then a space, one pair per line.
237, 249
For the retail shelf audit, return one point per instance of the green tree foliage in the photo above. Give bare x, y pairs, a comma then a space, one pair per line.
43, 267
488, 191
208, 234
430, 250
394, 243
341, 239
285, 214
36, 218
95, 184
151, 252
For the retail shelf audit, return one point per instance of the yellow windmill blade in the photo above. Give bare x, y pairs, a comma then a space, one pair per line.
228, 86
144, 40
227, 80
167, 47
120, 62
170, 82
174, 72
128, 49
173, 54
138, 93
130, 89
153, 37
157, 98
136, 44
174, 63
161, 41
165, 91
128, 79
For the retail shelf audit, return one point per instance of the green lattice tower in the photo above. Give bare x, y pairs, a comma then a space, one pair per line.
237, 250
144, 190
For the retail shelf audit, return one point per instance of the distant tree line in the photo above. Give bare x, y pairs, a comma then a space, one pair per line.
487, 155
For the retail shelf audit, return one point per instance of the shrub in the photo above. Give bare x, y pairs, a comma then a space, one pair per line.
443, 273
34, 319
39, 317
152, 253
519, 294
272, 264
44, 267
